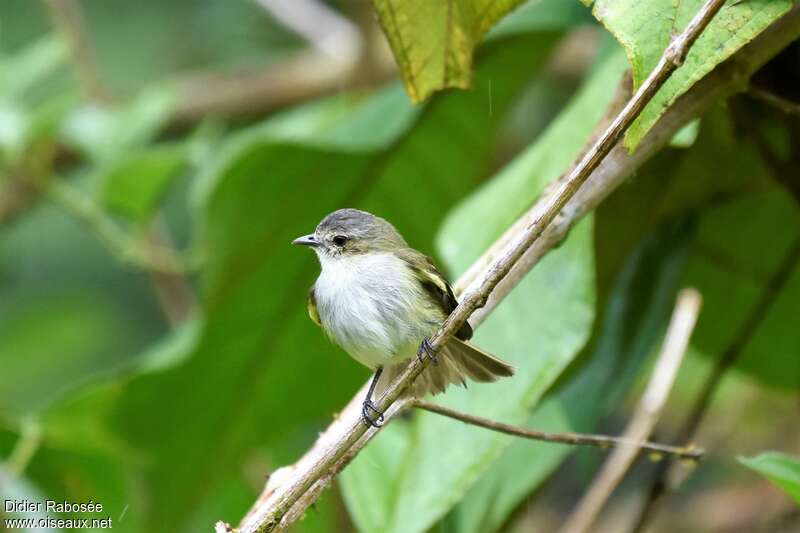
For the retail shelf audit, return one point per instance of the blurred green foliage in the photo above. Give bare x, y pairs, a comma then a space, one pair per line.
104, 396
781, 468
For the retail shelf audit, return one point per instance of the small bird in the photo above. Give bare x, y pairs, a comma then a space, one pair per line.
380, 300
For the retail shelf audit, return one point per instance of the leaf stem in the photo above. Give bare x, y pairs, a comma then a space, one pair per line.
150, 257
647, 413
577, 439
26, 447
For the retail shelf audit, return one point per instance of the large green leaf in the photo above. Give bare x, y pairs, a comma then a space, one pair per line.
70, 316
731, 261
80, 325
734, 204
780, 468
258, 356
433, 41
645, 27
60, 326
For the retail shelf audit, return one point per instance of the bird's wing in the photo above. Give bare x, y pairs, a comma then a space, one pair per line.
434, 284
312, 307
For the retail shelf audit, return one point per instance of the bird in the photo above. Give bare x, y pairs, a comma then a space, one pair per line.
381, 300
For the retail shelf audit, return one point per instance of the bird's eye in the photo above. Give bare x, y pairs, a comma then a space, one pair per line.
340, 240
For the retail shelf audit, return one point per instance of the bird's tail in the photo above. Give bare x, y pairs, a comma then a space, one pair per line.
457, 362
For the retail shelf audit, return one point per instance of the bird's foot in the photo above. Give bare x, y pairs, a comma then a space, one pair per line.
367, 409
426, 352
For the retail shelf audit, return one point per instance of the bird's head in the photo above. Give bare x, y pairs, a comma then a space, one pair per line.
350, 232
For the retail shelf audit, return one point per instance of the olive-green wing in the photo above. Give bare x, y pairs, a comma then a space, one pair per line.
312, 307
434, 284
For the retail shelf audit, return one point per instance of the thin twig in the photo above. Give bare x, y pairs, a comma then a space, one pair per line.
577, 439
725, 362
66, 16
152, 258
647, 413
780, 103
274, 509
172, 289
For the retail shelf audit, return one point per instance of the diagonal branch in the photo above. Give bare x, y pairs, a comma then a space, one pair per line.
273, 510
644, 419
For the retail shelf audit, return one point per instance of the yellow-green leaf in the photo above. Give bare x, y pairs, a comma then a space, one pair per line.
433, 40
644, 28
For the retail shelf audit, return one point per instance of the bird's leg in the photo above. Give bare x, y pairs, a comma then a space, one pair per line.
426, 350
368, 407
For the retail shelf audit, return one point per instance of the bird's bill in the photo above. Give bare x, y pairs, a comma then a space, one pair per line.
306, 240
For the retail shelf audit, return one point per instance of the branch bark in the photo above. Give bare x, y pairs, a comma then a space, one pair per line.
647, 413
279, 505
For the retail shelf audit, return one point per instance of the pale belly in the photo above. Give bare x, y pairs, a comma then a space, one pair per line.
374, 309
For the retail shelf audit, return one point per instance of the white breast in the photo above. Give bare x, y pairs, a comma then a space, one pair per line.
370, 305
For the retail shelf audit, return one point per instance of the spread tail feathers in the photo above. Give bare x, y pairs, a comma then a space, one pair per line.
457, 362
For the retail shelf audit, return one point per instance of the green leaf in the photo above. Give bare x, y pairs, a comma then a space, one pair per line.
529, 312
780, 468
78, 324
644, 28
734, 204
257, 346
540, 15
731, 265
686, 135
433, 42
62, 321
134, 185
